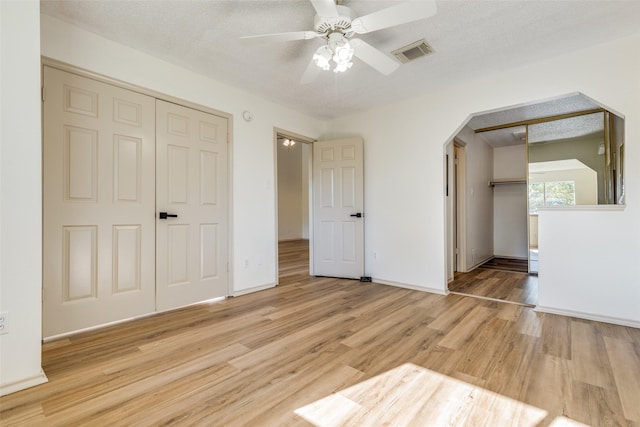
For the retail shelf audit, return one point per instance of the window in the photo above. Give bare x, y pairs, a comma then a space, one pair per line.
552, 193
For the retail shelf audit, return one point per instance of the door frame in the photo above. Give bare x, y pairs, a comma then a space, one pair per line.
454, 177
278, 132
62, 66
461, 205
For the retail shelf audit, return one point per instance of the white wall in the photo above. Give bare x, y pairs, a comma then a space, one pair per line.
404, 149
290, 215
254, 236
606, 285
479, 198
510, 203
20, 187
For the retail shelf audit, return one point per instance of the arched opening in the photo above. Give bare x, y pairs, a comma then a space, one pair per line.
562, 153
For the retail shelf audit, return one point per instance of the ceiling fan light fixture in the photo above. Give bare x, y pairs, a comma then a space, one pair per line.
337, 49
343, 53
322, 57
336, 41
342, 66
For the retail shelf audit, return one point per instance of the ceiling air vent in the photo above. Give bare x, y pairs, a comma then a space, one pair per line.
413, 51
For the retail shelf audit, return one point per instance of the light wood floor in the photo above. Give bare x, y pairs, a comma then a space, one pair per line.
293, 260
519, 288
321, 351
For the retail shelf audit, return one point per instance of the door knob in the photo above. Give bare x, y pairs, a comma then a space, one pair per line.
164, 215
357, 215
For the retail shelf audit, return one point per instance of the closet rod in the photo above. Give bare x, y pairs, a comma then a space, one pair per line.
507, 182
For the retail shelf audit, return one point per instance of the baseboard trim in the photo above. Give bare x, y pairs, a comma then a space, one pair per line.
589, 316
412, 287
519, 258
23, 384
252, 290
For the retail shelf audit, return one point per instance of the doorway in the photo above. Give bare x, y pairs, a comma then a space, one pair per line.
294, 230
455, 201
323, 203
486, 208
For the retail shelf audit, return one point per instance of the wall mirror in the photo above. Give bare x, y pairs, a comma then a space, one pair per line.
573, 161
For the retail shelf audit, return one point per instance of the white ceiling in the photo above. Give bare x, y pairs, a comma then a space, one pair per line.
470, 37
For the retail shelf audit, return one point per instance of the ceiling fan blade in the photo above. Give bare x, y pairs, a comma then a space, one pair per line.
311, 73
373, 57
325, 8
280, 37
394, 15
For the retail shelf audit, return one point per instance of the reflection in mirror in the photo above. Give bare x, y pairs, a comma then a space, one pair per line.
573, 161
565, 155
594, 141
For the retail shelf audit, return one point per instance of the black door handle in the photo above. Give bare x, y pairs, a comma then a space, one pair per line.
357, 215
164, 215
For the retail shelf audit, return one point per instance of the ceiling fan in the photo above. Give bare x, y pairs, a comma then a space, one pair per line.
337, 24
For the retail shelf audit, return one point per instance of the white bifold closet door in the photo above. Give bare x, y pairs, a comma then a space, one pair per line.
113, 160
99, 203
191, 159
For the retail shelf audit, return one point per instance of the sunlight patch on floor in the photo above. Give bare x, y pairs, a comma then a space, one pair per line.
412, 395
566, 422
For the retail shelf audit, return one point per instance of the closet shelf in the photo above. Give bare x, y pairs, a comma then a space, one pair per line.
507, 181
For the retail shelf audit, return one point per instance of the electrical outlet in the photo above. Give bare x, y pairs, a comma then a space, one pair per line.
4, 323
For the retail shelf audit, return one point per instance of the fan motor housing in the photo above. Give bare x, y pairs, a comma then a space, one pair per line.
342, 23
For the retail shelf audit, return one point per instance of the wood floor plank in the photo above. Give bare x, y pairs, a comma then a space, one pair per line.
513, 360
556, 335
323, 383
596, 406
529, 323
590, 361
625, 363
480, 355
467, 327
551, 386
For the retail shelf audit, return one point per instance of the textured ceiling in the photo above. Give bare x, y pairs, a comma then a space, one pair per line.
574, 127
552, 107
469, 38
542, 132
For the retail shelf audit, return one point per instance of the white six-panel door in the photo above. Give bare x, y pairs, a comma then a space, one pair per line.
191, 183
338, 197
99, 203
